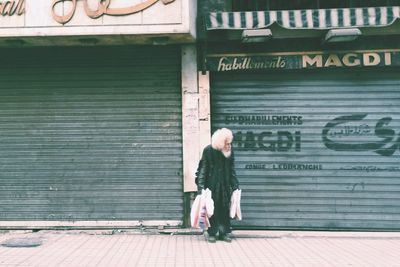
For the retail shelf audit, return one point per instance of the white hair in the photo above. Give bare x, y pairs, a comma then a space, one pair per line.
219, 138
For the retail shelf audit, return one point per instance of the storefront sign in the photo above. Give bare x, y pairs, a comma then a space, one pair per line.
223, 63
347, 60
103, 8
10, 8
155, 21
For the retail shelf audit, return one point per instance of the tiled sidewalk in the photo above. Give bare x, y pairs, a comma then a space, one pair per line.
270, 248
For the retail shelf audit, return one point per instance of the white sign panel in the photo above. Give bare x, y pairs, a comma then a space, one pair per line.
25, 18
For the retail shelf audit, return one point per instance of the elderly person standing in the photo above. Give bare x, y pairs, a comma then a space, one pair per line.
216, 172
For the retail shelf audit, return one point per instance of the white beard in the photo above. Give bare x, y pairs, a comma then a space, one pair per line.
227, 154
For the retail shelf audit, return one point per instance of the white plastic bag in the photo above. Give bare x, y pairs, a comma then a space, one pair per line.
195, 212
209, 203
235, 211
202, 209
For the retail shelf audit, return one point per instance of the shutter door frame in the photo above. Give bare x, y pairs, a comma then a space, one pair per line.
323, 188
89, 138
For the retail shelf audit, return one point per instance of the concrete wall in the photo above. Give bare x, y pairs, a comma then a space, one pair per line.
196, 123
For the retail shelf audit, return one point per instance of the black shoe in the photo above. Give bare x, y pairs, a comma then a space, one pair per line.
226, 238
212, 239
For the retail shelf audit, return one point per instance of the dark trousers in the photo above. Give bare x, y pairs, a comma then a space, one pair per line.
220, 221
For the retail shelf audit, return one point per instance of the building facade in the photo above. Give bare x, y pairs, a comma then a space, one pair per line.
107, 105
311, 91
91, 112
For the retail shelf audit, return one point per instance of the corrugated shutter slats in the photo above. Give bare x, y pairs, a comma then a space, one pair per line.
316, 149
91, 134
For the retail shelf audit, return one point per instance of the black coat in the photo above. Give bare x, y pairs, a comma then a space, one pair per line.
218, 174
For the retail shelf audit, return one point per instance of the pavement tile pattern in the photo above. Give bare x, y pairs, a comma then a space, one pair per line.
262, 248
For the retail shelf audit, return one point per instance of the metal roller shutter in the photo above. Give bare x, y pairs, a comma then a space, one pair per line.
314, 150
90, 134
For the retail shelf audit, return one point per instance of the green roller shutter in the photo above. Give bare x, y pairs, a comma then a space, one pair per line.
314, 150
90, 134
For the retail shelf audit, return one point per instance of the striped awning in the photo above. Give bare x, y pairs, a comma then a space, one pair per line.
304, 19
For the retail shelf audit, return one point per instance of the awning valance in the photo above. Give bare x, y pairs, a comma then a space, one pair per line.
304, 19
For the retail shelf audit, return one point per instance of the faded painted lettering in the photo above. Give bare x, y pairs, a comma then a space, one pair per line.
255, 166
264, 119
279, 141
297, 166
386, 145
371, 168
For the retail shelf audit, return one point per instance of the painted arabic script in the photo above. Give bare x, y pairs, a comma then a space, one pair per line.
386, 146
103, 8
